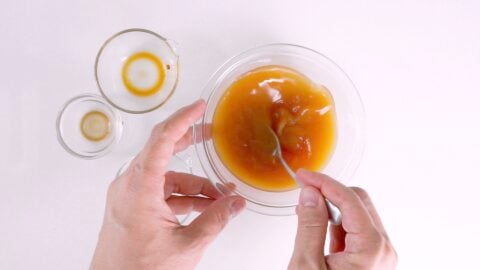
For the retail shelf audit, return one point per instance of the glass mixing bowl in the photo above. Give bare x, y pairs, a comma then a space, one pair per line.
114, 56
322, 71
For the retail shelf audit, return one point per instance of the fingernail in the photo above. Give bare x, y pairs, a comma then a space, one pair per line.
224, 189
309, 197
198, 102
236, 207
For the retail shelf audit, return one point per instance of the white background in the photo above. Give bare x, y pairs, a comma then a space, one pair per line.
416, 65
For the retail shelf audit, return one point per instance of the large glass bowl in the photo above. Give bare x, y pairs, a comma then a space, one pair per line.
322, 71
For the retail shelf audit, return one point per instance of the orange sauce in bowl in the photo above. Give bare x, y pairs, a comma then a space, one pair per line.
300, 112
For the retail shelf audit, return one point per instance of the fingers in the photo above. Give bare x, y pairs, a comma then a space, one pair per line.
367, 251
181, 205
337, 238
207, 131
188, 184
226, 188
185, 141
162, 143
311, 232
365, 198
188, 138
355, 217
213, 219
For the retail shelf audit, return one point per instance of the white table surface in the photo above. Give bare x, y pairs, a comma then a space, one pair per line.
416, 64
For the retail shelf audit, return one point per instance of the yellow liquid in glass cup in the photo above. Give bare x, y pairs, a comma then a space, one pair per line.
143, 74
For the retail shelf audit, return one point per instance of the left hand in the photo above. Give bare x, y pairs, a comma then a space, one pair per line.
140, 230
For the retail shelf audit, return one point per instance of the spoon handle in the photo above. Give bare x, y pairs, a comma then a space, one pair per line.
289, 171
334, 214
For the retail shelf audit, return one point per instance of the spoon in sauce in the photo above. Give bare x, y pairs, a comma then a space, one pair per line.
334, 214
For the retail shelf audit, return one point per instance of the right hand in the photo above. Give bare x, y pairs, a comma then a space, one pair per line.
360, 242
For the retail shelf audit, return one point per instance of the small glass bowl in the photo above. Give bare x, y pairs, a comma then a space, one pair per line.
176, 164
322, 71
111, 59
69, 132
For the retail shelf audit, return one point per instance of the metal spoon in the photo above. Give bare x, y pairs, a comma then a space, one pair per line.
335, 216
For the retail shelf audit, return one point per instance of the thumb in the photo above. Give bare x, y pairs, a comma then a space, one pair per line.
311, 232
212, 221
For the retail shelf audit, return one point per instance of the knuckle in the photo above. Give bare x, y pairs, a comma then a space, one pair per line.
383, 248
205, 233
159, 130
311, 224
220, 219
167, 126
217, 222
136, 168
378, 242
380, 239
134, 172
391, 254
362, 193
115, 212
112, 188
194, 243
149, 164
147, 168
309, 219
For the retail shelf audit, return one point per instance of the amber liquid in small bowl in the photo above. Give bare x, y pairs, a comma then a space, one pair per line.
300, 112
95, 126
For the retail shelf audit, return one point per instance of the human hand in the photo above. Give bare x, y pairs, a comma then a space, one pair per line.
140, 230
360, 242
